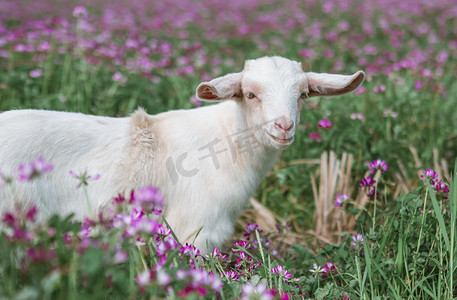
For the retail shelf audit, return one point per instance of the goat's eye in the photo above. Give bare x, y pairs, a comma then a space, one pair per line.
250, 95
303, 95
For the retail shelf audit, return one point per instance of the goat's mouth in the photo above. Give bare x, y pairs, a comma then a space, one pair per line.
281, 141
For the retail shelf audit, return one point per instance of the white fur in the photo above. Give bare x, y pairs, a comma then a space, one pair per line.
141, 150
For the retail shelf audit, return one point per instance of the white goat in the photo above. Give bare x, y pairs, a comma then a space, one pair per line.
206, 161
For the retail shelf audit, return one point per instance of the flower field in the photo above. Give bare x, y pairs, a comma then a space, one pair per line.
362, 204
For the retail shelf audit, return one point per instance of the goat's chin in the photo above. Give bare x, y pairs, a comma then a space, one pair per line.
278, 143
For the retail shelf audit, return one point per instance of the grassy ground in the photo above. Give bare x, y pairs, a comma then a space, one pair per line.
109, 59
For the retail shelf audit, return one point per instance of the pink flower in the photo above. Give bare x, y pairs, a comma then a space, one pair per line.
315, 136
357, 240
279, 269
120, 256
195, 101
84, 178
79, 11
149, 199
355, 116
378, 165
31, 213
367, 182
316, 270
231, 275
307, 53
189, 250
340, 199
329, 268
360, 90
326, 124
118, 77
144, 278
33, 169
36, 73
418, 85
163, 278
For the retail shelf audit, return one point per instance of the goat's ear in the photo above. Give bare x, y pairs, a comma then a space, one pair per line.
322, 84
221, 88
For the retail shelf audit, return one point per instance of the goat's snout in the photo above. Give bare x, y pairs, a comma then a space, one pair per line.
284, 124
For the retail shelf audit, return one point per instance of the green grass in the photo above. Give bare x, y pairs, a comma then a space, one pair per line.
409, 247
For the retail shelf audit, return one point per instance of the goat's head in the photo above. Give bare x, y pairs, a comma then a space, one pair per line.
272, 91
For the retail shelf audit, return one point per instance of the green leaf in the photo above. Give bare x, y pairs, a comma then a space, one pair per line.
91, 260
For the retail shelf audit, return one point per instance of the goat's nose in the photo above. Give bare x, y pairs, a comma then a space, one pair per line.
284, 124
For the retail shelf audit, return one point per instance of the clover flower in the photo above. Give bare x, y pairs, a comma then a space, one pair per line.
357, 116
79, 11
148, 199
33, 169
357, 240
36, 73
118, 77
436, 184
189, 250
279, 269
144, 278
243, 244
232, 275
340, 199
200, 282
326, 124
378, 165
368, 184
315, 136
316, 270
249, 291
329, 268
83, 178
194, 100
216, 254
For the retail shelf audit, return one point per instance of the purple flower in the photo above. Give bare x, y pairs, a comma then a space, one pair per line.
162, 277
33, 169
418, 85
195, 101
279, 269
355, 116
360, 90
118, 77
243, 244
260, 291
340, 199
189, 250
144, 278
36, 73
430, 174
307, 53
149, 199
120, 257
231, 275
316, 270
9, 219
326, 124
79, 11
83, 178
378, 165
357, 240
31, 214
367, 182
216, 254
315, 136
329, 268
